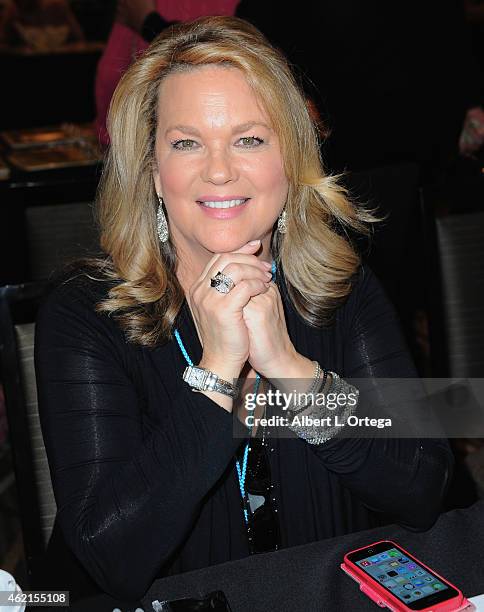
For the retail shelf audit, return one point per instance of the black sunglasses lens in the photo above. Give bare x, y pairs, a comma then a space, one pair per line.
264, 532
258, 477
263, 524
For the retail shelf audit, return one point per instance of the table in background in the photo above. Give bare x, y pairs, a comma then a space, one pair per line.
48, 87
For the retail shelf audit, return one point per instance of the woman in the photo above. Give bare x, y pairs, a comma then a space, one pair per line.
213, 179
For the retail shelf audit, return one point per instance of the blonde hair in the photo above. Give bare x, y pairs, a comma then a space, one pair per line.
317, 258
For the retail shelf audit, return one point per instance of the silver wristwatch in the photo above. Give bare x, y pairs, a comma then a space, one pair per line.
202, 379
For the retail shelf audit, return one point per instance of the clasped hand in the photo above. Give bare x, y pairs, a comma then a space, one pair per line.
245, 325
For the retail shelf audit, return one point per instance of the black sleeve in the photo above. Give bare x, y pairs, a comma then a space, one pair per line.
405, 478
153, 25
125, 499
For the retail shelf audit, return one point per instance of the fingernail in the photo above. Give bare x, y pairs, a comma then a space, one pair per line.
267, 264
269, 275
254, 242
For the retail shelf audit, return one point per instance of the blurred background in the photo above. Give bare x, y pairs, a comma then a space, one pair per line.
397, 90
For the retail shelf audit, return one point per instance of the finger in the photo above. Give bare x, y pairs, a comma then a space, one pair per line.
220, 265
241, 271
248, 248
240, 295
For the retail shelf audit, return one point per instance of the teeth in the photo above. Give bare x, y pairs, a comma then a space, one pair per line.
224, 203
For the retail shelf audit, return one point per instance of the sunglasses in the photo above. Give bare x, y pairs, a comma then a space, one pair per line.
215, 601
263, 524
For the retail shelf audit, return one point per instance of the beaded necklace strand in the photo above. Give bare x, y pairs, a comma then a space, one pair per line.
241, 469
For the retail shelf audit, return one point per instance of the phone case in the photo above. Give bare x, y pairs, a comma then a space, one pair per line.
381, 597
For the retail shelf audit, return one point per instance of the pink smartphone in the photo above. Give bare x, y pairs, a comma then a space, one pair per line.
395, 579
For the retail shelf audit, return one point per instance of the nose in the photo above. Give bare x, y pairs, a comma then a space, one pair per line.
219, 167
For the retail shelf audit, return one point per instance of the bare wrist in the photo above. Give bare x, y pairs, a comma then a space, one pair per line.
297, 367
226, 371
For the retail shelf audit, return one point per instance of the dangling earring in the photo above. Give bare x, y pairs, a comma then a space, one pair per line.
161, 223
282, 222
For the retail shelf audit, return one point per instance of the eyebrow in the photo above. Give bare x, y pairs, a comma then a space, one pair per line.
238, 129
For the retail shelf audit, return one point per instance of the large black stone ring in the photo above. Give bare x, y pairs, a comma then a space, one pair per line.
222, 283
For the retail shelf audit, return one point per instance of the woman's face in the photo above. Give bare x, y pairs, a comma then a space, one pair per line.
219, 166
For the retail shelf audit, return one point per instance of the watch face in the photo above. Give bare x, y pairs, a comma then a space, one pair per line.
198, 376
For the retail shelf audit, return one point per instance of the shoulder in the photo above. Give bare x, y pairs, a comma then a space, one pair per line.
78, 283
364, 282
69, 306
366, 297
360, 288
74, 342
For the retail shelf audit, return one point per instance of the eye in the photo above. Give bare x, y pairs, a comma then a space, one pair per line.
185, 144
249, 141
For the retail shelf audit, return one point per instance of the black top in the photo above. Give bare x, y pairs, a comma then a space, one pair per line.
143, 468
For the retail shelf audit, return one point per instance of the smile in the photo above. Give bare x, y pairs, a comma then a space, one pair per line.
223, 203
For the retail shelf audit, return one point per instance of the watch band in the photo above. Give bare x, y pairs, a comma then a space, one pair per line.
202, 379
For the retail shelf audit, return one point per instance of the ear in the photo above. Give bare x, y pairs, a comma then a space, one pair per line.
156, 180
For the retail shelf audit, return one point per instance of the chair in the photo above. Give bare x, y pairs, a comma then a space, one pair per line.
57, 234
455, 307
18, 307
49, 220
461, 254
455, 292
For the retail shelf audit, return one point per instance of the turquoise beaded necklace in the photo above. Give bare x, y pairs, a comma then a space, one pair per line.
241, 469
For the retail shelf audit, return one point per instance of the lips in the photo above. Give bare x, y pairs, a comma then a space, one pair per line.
222, 204
218, 207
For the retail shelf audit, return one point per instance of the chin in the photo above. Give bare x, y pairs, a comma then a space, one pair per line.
226, 245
